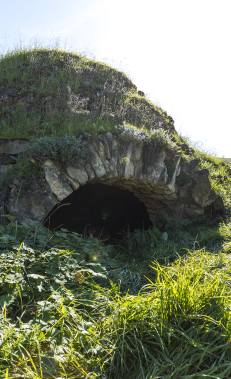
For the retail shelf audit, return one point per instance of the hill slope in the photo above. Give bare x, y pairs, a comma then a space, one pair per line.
42, 90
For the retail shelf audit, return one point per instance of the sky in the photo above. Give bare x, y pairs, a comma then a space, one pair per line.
176, 51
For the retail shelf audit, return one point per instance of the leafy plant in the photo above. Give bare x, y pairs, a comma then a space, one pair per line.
57, 148
37, 293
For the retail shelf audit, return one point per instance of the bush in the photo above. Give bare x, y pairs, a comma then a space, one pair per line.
158, 137
57, 148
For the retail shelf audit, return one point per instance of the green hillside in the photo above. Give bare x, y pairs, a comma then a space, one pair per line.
154, 305
45, 90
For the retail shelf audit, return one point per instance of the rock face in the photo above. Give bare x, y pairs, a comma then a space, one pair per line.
157, 177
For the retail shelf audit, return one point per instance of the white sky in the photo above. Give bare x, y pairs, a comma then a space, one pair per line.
176, 51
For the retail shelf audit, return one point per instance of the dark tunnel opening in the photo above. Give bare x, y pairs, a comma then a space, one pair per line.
101, 211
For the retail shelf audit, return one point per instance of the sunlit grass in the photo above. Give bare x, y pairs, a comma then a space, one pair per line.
142, 312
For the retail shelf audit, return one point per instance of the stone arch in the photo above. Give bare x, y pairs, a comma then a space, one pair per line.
163, 183
121, 165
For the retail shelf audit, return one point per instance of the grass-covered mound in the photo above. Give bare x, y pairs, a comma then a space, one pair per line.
57, 95
43, 90
157, 304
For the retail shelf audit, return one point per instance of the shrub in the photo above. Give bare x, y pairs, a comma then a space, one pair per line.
158, 137
61, 148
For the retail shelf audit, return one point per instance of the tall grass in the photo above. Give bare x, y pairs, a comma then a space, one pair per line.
132, 315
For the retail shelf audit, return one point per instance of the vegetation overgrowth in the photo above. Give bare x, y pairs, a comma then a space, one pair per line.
153, 305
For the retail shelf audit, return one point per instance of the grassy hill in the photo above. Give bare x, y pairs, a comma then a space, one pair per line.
44, 90
157, 305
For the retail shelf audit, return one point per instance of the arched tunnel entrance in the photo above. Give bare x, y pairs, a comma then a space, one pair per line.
99, 210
